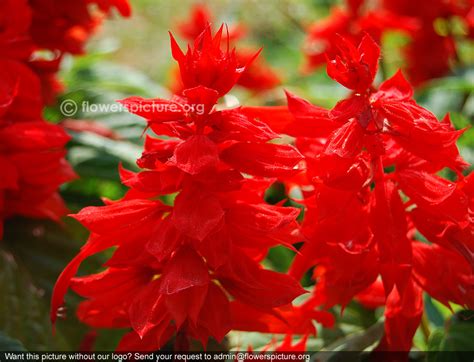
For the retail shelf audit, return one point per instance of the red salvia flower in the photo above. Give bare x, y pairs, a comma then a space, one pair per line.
352, 22
174, 267
206, 64
31, 152
348, 151
258, 77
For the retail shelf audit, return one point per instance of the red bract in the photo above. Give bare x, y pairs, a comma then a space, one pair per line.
206, 64
355, 68
175, 267
259, 76
349, 151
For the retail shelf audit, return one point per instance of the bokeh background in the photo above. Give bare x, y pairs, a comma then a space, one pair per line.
132, 57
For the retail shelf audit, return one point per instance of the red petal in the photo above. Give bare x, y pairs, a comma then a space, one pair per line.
40, 135
120, 215
396, 87
402, 318
195, 155
197, 213
216, 315
147, 309
186, 270
346, 141
265, 159
154, 110
236, 125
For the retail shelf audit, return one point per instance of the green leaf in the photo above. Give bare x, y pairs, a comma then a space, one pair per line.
280, 258
23, 308
124, 151
36, 251
457, 336
358, 341
433, 313
42, 248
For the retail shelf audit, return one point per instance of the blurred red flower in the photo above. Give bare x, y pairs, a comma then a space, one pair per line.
32, 151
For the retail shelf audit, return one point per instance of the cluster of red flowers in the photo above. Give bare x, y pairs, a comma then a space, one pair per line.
191, 270
371, 190
31, 150
430, 26
258, 77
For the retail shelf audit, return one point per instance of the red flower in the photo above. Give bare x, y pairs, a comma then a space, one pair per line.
355, 68
65, 26
444, 209
444, 274
206, 64
258, 76
179, 264
348, 152
28, 26
429, 55
352, 23
31, 151
47, 70
15, 41
402, 317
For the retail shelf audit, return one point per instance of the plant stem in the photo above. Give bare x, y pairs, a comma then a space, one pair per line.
425, 327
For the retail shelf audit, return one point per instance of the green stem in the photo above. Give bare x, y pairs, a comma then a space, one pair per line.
425, 327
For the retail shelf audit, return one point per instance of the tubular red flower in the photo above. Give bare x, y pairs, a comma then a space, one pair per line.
258, 77
349, 151
206, 64
185, 262
31, 150
352, 22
